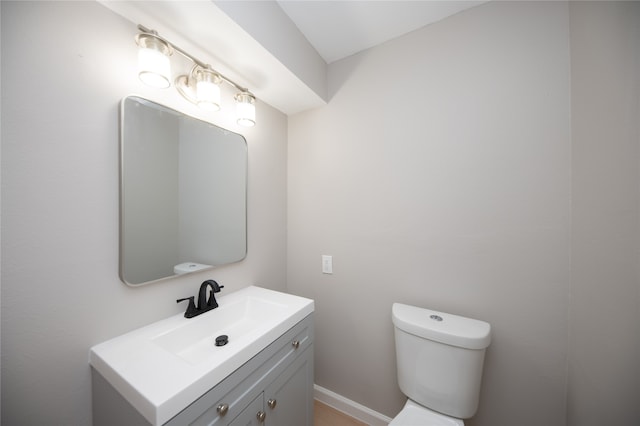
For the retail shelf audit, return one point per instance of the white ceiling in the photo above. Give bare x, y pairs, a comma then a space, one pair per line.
338, 29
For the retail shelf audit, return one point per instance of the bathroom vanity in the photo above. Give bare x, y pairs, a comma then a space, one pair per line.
172, 373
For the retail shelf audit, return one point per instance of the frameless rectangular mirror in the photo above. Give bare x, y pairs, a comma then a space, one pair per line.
183, 186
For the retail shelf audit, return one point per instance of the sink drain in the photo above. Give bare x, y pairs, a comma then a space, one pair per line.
222, 340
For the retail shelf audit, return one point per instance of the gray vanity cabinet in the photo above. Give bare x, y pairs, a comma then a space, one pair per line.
253, 415
289, 399
286, 401
274, 388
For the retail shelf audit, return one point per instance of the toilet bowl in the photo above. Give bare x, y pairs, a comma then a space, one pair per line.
439, 359
413, 414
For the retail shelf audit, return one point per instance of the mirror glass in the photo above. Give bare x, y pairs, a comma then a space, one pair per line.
183, 186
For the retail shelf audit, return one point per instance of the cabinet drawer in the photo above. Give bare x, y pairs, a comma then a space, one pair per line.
251, 414
236, 392
295, 341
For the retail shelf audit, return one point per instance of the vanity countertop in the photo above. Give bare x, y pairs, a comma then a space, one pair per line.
163, 367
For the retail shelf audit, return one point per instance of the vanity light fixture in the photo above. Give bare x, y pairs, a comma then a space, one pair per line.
201, 86
154, 67
246, 109
208, 89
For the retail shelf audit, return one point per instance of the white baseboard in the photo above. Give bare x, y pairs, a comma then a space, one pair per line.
349, 407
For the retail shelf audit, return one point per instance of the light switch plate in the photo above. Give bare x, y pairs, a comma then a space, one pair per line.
327, 264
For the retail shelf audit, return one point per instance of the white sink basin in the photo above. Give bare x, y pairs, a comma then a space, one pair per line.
194, 340
163, 367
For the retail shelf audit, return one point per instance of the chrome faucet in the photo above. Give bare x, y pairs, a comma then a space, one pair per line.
204, 304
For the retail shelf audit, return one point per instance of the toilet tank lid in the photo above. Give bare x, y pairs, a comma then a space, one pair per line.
442, 327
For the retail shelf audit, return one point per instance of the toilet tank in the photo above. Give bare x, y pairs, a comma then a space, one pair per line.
440, 358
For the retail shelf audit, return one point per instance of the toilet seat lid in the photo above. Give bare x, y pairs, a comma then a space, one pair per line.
416, 415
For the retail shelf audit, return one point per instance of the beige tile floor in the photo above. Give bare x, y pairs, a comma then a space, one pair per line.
328, 416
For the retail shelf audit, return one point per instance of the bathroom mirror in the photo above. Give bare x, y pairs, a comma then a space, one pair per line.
183, 186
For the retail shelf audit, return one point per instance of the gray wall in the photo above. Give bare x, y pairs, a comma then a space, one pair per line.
441, 174
604, 332
65, 67
487, 165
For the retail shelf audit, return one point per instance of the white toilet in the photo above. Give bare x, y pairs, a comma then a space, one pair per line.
439, 358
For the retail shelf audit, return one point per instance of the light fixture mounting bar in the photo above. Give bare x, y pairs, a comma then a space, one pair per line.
193, 59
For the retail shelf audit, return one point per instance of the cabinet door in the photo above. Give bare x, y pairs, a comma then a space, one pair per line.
253, 415
289, 398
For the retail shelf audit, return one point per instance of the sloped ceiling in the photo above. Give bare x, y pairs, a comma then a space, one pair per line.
338, 29
280, 50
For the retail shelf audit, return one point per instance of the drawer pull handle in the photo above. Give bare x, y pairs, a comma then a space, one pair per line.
222, 409
272, 403
296, 344
261, 416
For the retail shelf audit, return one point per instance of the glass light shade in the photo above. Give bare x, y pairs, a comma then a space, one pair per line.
245, 109
208, 90
154, 67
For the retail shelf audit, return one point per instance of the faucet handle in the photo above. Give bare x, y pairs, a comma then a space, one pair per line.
191, 308
214, 285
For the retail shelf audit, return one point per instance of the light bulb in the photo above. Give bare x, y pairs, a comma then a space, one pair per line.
245, 109
208, 90
154, 67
